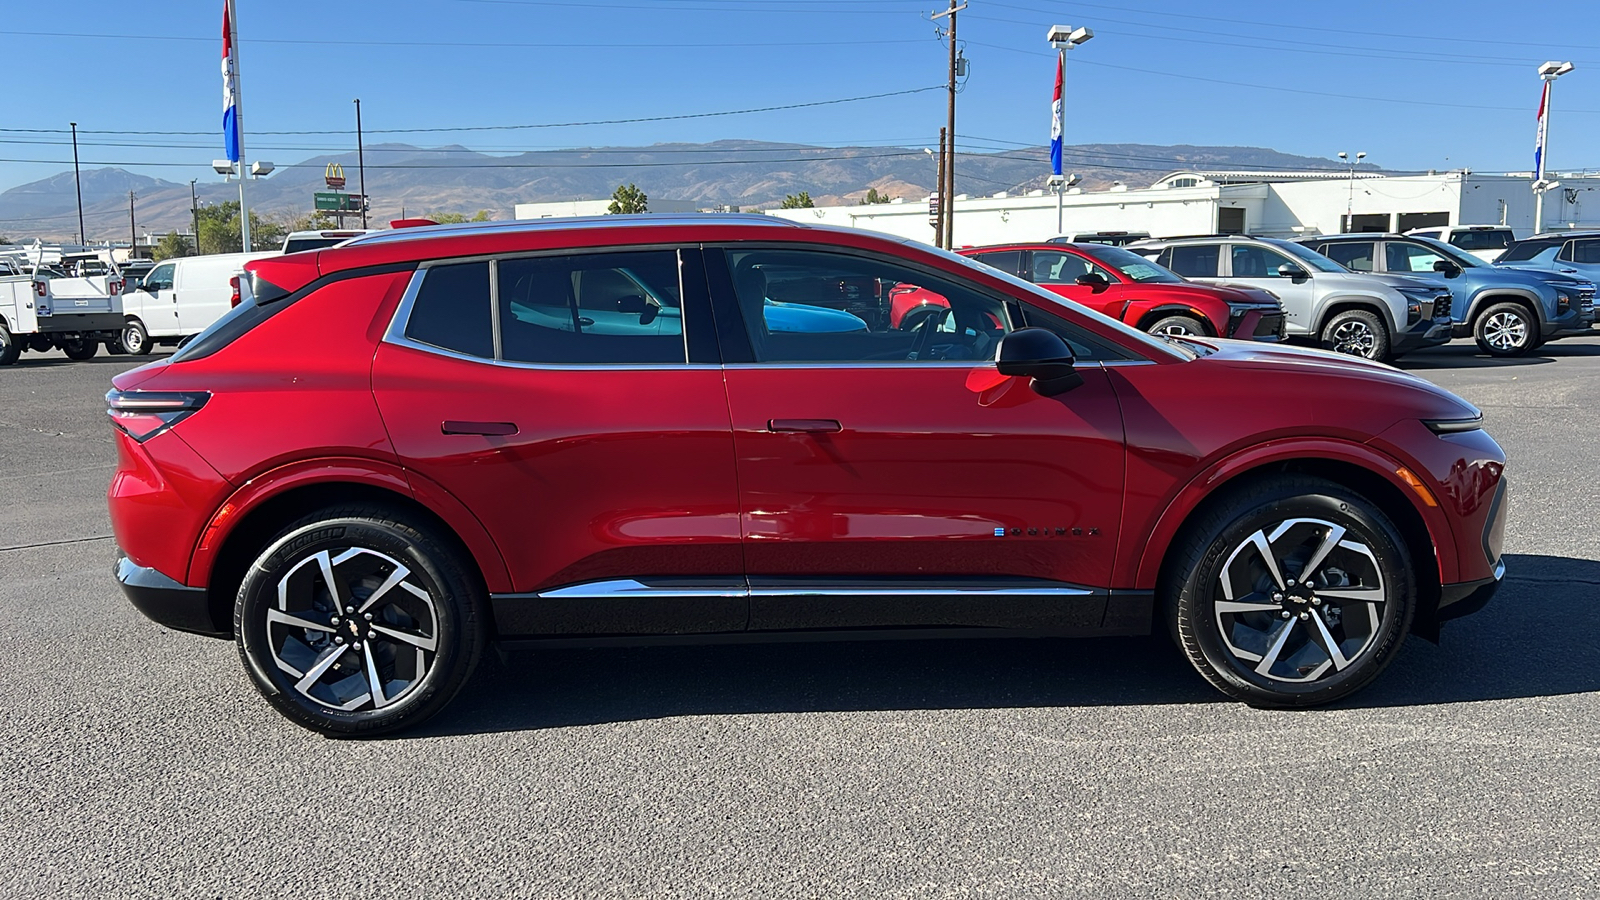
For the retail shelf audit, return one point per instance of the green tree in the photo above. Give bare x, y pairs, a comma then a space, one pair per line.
873, 197
444, 218
316, 220
4, 239
628, 199
801, 200
219, 230
174, 244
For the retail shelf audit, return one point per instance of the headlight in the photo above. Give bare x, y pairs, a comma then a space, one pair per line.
1454, 426
1563, 301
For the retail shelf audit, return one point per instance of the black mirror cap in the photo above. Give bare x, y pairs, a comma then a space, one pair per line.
1092, 279
1039, 354
1448, 268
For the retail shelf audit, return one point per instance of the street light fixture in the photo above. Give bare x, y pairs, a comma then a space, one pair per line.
1064, 38
1350, 205
1548, 73
261, 168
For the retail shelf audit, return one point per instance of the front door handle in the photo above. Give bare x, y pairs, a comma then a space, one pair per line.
499, 429
804, 426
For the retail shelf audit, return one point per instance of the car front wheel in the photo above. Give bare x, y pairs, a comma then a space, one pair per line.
353, 621
1505, 330
1292, 592
1178, 326
1357, 332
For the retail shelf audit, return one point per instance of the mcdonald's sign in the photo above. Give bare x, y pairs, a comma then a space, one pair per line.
334, 176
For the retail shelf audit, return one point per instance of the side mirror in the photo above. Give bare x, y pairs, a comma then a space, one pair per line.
1292, 272
1039, 354
1446, 268
1093, 280
637, 305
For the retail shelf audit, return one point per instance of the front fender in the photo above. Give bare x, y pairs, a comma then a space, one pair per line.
1380, 305
346, 470
1143, 571
1498, 293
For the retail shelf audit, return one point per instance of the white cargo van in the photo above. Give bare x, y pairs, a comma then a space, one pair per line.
181, 297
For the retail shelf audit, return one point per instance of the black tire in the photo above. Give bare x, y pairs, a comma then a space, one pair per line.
80, 348
363, 545
1178, 325
1219, 553
10, 350
1357, 332
134, 340
1506, 330
115, 348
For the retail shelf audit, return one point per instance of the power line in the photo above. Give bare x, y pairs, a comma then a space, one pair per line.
468, 44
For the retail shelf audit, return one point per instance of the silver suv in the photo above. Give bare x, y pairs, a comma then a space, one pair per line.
1372, 316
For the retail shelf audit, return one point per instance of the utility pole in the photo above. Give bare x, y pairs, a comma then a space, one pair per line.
947, 191
194, 207
133, 231
77, 179
938, 196
361, 166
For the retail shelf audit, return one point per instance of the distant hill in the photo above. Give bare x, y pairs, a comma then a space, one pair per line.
732, 172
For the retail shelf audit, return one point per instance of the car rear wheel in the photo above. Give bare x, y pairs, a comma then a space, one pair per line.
1292, 592
80, 348
134, 340
1357, 332
1178, 326
1506, 329
10, 350
354, 621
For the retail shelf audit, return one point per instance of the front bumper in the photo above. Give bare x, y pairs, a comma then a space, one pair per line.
165, 601
1578, 320
1248, 323
1426, 333
1457, 600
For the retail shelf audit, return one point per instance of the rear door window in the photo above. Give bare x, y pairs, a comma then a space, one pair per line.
1193, 261
1007, 261
617, 308
1354, 255
1489, 239
1586, 250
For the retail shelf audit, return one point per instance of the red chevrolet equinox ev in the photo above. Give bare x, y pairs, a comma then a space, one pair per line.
629, 429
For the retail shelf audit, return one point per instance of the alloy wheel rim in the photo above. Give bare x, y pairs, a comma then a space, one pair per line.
1178, 330
1356, 338
1505, 331
354, 628
1300, 602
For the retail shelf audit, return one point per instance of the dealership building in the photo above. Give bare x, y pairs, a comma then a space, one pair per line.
1285, 204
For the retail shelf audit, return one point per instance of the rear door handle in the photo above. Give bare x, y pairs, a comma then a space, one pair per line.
451, 426
804, 426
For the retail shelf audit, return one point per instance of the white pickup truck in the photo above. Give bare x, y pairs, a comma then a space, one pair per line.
44, 311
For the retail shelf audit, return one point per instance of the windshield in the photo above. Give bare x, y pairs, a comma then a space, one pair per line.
1133, 266
1482, 239
1308, 256
1464, 260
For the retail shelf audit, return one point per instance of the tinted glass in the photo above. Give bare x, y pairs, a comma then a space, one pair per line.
1481, 240
1056, 267
1007, 261
623, 308
299, 245
452, 310
1250, 261
1307, 257
1085, 346
1410, 258
1354, 255
1586, 251
819, 306
1426, 234
1193, 262
1526, 250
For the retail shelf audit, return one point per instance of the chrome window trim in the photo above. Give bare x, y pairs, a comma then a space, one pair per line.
396, 335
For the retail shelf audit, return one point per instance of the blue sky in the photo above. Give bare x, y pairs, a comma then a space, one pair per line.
1417, 85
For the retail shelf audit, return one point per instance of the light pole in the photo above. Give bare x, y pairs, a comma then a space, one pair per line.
1548, 73
194, 206
1350, 205
1063, 38
77, 179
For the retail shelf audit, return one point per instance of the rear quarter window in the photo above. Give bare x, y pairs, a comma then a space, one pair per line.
452, 310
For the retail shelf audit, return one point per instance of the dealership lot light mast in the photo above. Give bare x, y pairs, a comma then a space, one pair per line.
1350, 204
1548, 73
1063, 38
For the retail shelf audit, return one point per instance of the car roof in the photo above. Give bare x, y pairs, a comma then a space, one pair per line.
1561, 235
521, 226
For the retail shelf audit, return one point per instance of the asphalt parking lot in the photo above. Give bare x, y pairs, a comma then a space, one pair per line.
140, 762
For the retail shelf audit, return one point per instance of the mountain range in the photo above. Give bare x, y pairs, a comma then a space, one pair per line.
748, 174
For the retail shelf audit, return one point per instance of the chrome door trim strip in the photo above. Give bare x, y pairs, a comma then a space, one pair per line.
686, 589
618, 588
926, 592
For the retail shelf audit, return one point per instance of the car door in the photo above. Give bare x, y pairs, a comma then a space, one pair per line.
1057, 271
1256, 265
892, 478
157, 308
598, 456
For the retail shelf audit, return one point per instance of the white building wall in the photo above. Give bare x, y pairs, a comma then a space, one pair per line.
564, 208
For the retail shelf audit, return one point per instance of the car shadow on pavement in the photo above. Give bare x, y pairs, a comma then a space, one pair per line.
1467, 356
35, 361
1533, 640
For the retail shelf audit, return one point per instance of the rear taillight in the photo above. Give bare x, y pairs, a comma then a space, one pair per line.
40, 287
113, 287
234, 283
144, 414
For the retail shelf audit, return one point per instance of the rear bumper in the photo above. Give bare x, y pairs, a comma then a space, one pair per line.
165, 601
79, 322
1427, 333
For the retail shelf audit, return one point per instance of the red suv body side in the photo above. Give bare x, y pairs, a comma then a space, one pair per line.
562, 482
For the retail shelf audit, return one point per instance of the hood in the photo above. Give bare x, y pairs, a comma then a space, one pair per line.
1232, 294
1520, 275
1339, 380
1411, 281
